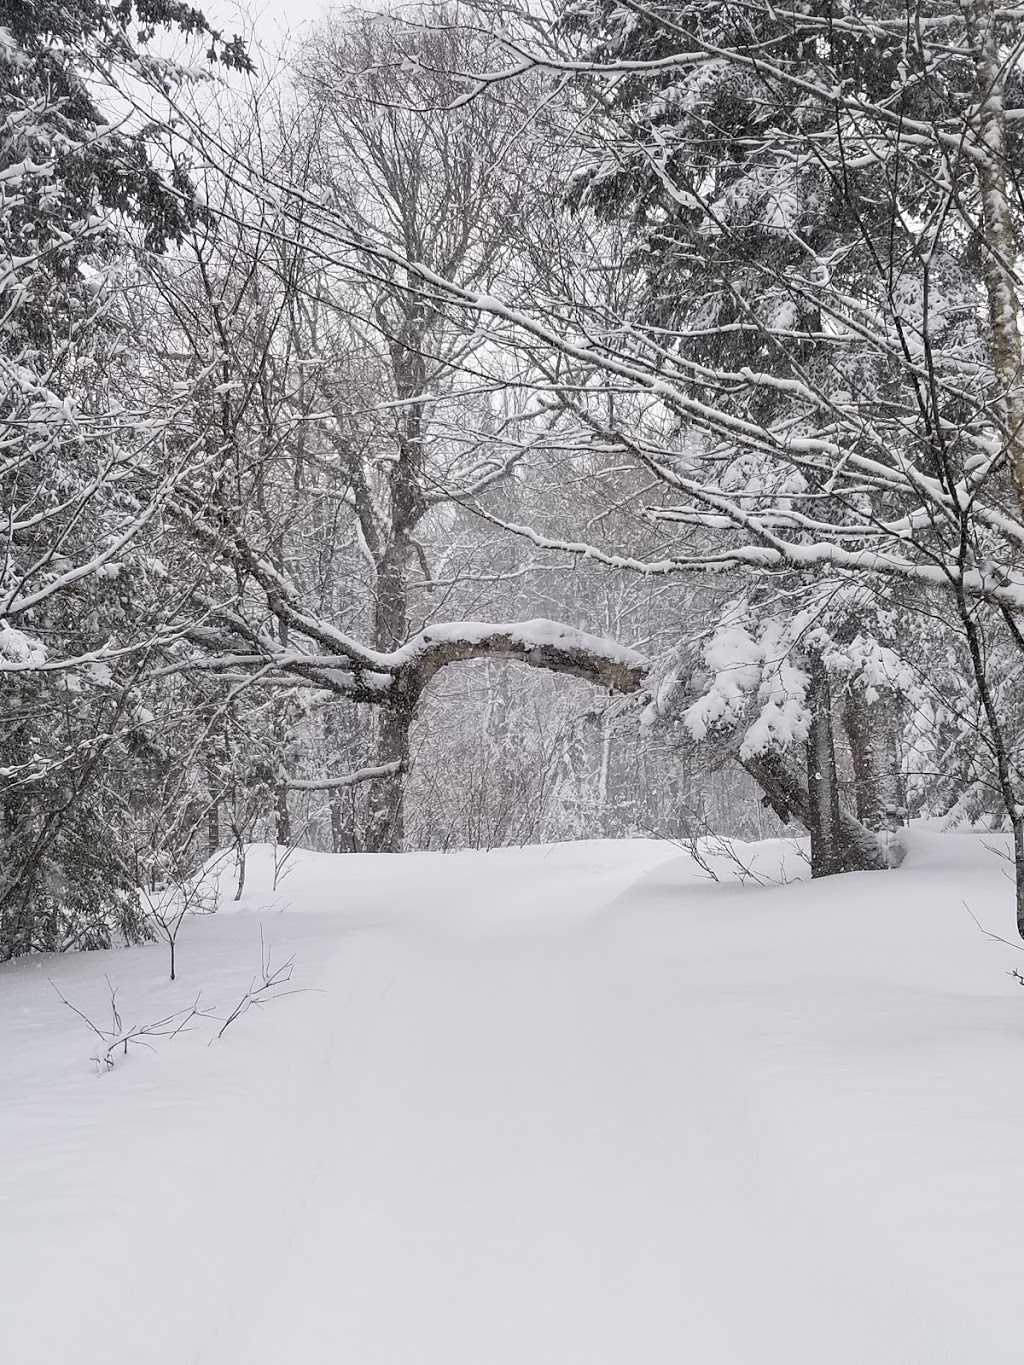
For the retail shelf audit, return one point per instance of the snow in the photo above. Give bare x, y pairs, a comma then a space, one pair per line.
537, 634
570, 1105
748, 661
18, 648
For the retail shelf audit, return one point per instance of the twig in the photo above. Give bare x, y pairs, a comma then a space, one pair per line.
75, 1010
110, 1040
267, 990
995, 938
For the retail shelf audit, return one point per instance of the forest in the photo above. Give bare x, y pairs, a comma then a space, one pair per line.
481, 426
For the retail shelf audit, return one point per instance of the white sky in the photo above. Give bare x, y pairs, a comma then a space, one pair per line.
271, 20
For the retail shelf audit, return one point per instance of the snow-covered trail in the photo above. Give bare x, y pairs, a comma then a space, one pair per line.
574, 1108
492, 1182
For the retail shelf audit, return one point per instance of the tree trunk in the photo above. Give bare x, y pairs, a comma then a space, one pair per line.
999, 258
827, 848
386, 807
284, 819
213, 827
868, 731
1017, 823
998, 239
344, 734
280, 731
862, 850
342, 839
213, 810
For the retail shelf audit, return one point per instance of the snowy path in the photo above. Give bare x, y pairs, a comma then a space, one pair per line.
547, 1110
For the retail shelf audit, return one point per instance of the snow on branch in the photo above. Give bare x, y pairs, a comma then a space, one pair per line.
324, 784
538, 643
397, 678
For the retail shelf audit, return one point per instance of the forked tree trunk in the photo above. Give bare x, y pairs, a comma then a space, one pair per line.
860, 849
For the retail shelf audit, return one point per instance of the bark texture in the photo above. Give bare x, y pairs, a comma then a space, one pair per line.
857, 849
827, 851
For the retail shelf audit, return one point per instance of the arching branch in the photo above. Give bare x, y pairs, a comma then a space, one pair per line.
539, 644
397, 678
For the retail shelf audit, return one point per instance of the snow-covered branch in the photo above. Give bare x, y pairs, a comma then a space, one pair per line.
325, 784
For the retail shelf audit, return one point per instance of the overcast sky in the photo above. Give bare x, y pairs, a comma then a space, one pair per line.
273, 19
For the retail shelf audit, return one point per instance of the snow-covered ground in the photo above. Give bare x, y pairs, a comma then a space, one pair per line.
573, 1105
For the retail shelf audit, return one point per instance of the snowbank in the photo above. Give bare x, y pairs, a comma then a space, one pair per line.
573, 1105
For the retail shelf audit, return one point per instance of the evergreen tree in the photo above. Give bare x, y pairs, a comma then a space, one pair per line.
82, 463
813, 228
